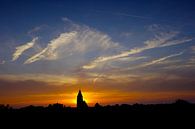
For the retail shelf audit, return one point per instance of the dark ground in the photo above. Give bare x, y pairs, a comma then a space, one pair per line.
177, 115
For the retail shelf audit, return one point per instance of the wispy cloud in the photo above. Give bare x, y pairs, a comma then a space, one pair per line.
123, 76
124, 14
188, 64
35, 29
132, 58
48, 78
21, 49
193, 49
126, 34
192, 60
131, 15
180, 66
102, 75
156, 61
161, 40
50, 52
80, 42
97, 78
65, 19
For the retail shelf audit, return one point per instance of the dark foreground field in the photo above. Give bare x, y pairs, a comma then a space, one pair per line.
180, 114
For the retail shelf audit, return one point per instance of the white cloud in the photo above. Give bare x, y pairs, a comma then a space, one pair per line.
92, 40
55, 79
78, 43
189, 64
50, 52
97, 78
161, 40
111, 63
21, 49
156, 61
126, 34
124, 14
132, 58
35, 29
65, 19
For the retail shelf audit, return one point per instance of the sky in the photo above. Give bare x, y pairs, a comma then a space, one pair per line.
114, 51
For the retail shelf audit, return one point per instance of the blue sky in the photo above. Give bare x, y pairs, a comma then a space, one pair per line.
143, 46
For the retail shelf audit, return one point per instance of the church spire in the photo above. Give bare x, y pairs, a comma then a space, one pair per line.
81, 104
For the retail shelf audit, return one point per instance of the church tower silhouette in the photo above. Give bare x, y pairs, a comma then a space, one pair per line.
81, 104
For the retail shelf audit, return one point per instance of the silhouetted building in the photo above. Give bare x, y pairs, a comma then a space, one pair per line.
56, 107
81, 104
97, 105
182, 102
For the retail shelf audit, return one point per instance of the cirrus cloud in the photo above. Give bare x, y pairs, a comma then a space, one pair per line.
82, 41
21, 49
162, 39
50, 52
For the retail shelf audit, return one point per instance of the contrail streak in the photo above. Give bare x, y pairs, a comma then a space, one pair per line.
124, 14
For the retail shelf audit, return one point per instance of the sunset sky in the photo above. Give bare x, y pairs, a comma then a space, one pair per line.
115, 51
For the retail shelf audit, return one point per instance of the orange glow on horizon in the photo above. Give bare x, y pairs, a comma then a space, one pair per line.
103, 98
87, 97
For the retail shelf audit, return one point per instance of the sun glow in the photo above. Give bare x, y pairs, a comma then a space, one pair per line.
87, 97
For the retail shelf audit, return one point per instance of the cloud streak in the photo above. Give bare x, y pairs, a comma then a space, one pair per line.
79, 43
46, 78
156, 61
124, 14
21, 49
51, 52
160, 40
193, 49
